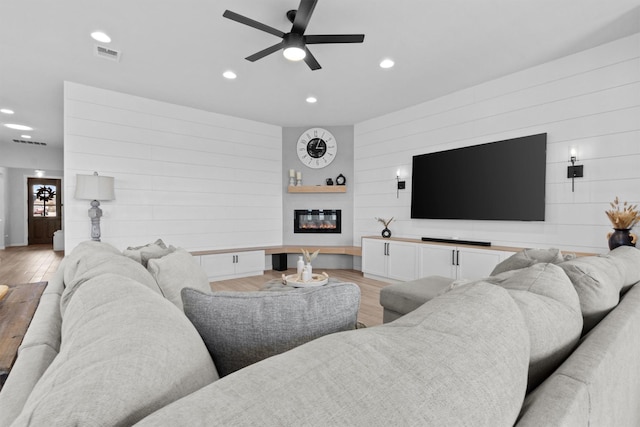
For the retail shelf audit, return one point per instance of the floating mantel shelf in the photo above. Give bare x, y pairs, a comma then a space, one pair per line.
317, 189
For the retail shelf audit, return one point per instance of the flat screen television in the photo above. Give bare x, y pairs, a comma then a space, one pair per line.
503, 180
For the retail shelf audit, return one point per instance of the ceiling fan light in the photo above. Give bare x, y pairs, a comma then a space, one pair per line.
294, 53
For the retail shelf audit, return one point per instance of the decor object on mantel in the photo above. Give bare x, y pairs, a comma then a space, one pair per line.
94, 188
386, 233
308, 258
623, 218
341, 180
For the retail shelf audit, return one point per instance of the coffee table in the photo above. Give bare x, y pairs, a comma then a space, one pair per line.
16, 311
277, 285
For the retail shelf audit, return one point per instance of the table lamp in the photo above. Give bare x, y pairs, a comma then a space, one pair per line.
94, 188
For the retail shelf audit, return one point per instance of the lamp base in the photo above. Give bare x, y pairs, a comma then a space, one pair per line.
95, 213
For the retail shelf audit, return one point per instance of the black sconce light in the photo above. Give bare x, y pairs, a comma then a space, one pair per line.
401, 184
574, 171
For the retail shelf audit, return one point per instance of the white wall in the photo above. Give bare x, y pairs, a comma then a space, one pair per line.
3, 205
196, 179
589, 101
25, 156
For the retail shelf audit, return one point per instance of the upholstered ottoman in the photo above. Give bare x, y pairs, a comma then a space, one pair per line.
401, 298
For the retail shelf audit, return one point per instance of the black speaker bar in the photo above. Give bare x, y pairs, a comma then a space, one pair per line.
456, 241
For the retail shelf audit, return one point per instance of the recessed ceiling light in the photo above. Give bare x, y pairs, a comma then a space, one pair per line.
6, 111
387, 63
17, 127
25, 136
312, 100
101, 37
229, 75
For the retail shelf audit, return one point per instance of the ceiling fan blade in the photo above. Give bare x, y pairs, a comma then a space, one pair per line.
311, 60
265, 52
303, 15
250, 22
334, 38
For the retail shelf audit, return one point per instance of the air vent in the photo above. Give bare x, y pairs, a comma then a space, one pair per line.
23, 141
105, 52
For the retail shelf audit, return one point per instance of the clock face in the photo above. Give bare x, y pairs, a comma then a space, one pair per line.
316, 148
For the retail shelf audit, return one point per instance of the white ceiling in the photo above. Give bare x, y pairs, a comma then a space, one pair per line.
176, 51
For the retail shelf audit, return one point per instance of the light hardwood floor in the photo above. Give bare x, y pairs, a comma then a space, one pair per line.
36, 263
28, 264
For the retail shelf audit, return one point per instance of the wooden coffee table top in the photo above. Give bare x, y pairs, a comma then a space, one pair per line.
16, 310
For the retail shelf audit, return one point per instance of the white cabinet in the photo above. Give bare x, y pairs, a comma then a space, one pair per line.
407, 259
389, 259
458, 262
233, 264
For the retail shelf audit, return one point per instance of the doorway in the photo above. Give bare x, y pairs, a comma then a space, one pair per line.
44, 209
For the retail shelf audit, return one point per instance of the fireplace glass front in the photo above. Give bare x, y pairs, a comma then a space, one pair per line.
317, 221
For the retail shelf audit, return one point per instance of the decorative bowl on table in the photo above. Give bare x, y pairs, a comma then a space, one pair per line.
296, 281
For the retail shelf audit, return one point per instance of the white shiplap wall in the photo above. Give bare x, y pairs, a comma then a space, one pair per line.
589, 101
196, 179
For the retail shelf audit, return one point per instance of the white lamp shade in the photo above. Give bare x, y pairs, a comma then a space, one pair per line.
94, 187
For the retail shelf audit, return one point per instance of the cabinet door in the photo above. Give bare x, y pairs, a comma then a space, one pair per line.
437, 260
477, 263
374, 259
218, 265
401, 261
250, 262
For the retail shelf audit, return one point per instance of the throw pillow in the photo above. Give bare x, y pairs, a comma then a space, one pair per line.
176, 271
135, 252
551, 309
241, 328
627, 258
527, 258
598, 282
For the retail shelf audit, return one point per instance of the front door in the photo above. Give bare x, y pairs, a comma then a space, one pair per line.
45, 214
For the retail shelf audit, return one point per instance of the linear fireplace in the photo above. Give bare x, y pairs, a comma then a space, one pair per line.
317, 221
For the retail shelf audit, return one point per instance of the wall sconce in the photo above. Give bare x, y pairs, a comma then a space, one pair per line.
574, 171
401, 184
94, 187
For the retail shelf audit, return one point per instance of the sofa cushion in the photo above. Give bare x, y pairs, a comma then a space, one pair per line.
241, 328
551, 309
627, 258
126, 352
598, 282
95, 264
529, 257
405, 297
176, 271
80, 251
460, 359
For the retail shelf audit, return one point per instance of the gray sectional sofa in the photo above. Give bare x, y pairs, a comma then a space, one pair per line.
112, 343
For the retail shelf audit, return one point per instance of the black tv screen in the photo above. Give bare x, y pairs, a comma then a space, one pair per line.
503, 180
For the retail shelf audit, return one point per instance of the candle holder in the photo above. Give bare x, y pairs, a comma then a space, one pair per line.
292, 181
299, 183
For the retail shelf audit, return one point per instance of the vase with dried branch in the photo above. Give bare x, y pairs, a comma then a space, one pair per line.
308, 257
623, 217
386, 233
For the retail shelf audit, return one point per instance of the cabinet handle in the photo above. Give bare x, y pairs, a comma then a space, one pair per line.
453, 257
386, 245
457, 257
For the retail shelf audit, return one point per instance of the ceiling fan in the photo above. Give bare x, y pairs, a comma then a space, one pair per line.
294, 43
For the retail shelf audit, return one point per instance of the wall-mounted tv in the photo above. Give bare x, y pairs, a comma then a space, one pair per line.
503, 180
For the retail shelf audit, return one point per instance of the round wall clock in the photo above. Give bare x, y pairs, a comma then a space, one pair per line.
316, 148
